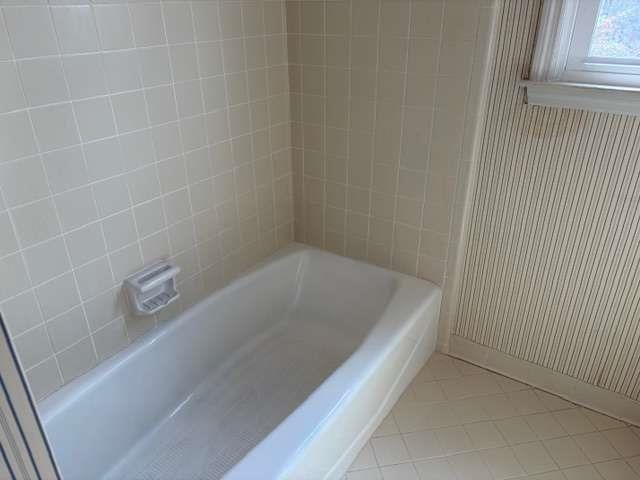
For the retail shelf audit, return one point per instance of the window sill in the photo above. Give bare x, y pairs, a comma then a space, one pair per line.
595, 98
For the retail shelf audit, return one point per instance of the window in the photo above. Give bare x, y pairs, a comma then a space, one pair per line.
605, 45
589, 52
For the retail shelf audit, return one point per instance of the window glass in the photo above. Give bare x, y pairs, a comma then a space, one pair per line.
617, 30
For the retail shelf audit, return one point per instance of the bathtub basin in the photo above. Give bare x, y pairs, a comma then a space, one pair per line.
283, 374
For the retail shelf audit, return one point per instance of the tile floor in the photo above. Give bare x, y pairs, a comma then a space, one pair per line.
459, 422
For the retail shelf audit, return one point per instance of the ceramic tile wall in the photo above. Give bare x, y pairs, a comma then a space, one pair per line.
131, 132
383, 108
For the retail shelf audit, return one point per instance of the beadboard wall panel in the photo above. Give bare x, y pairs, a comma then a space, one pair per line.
551, 269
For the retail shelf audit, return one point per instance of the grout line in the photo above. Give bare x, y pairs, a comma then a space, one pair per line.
231, 147
347, 176
372, 144
398, 164
181, 157
251, 163
268, 104
428, 172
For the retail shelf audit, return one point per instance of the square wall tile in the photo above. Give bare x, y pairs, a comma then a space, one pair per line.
33, 347
11, 97
44, 378
31, 31
15, 269
67, 329
75, 28
76, 360
47, 260
8, 240
57, 295
85, 75
85, 244
16, 136
55, 126
114, 26
21, 313
76, 208
23, 181
35, 222
148, 27
95, 118
43, 81
94, 278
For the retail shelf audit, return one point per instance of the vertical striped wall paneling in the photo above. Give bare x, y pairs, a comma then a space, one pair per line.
551, 270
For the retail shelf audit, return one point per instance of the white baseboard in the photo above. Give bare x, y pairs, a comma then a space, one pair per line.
576, 391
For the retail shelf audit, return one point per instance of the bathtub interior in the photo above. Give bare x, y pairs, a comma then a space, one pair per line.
242, 361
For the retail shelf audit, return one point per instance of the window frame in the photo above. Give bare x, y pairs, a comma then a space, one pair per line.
591, 83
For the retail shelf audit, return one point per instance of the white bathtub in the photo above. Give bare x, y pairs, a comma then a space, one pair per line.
282, 374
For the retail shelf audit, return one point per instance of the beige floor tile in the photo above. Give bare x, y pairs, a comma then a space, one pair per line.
470, 466
616, 470
624, 441
498, 406
428, 392
435, 470
466, 368
442, 367
502, 463
534, 458
365, 459
407, 397
545, 426
453, 440
455, 388
479, 385
387, 427
390, 450
411, 417
596, 447
423, 445
403, 471
546, 476
424, 375
440, 415
368, 474
565, 452
527, 402
509, 385
516, 430
553, 402
484, 435
574, 421
469, 410
583, 472
601, 421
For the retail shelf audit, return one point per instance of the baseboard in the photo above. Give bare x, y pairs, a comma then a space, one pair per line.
576, 391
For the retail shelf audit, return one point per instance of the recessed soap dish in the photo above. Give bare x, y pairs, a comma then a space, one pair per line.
152, 288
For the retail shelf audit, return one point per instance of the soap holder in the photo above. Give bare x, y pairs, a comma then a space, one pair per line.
152, 288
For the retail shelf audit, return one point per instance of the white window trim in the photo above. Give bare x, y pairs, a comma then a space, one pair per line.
551, 85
